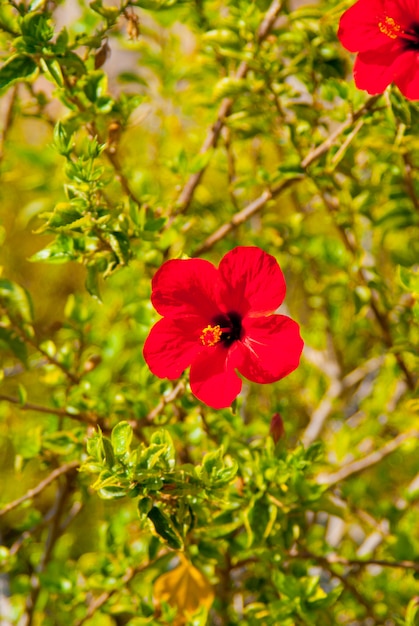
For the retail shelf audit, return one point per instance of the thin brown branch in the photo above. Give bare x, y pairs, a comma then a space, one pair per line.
110, 146
176, 391
29, 340
335, 558
32, 493
368, 461
350, 137
104, 597
243, 215
327, 565
414, 565
30, 406
96, 603
336, 388
330, 141
54, 533
213, 135
113, 157
258, 204
151, 416
8, 116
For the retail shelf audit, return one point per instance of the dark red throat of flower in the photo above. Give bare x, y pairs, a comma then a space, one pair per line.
393, 30
224, 328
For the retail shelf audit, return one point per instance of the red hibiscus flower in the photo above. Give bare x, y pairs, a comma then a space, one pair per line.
222, 320
385, 33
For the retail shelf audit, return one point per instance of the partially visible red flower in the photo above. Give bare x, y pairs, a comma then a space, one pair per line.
222, 320
385, 33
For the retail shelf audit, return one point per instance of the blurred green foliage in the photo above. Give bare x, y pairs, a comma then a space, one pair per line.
133, 132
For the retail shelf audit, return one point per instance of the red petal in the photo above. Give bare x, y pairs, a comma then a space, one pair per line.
213, 379
271, 348
408, 79
185, 287
253, 281
405, 12
374, 71
172, 345
358, 27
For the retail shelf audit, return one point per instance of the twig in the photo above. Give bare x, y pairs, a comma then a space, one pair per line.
268, 194
243, 215
110, 150
54, 532
211, 140
329, 142
335, 389
30, 406
96, 603
368, 461
104, 597
31, 342
8, 119
326, 564
32, 493
342, 149
113, 158
335, 558
165, 400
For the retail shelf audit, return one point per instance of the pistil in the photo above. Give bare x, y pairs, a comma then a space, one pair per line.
390, 27
211, 335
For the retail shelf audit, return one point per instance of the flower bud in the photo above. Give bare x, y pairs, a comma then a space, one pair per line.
277, 430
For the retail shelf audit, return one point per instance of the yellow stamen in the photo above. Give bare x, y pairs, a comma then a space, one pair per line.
211, 335
390, 27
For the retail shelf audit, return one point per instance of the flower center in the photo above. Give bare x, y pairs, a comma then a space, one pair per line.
226, 328
409, 36
211, 335
389, 27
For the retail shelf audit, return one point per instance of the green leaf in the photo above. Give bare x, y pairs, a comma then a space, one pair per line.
144, 506
327, 601
61, 250
121, 246
16, 68
108, 454
109, 13
14, 343
16, 300
162, 439
121, 438
95, 85
92, 281
409, 278
229, 87
52, 67
72, 63
223, 37
22, 394
164, 528
412, 612
212, 462
64, 214
63, 141
60, 442
37, 26
94, 447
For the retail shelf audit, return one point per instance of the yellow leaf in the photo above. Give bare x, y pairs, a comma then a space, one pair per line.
185, 588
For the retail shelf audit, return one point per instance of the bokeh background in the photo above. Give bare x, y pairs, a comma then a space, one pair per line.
135, 132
